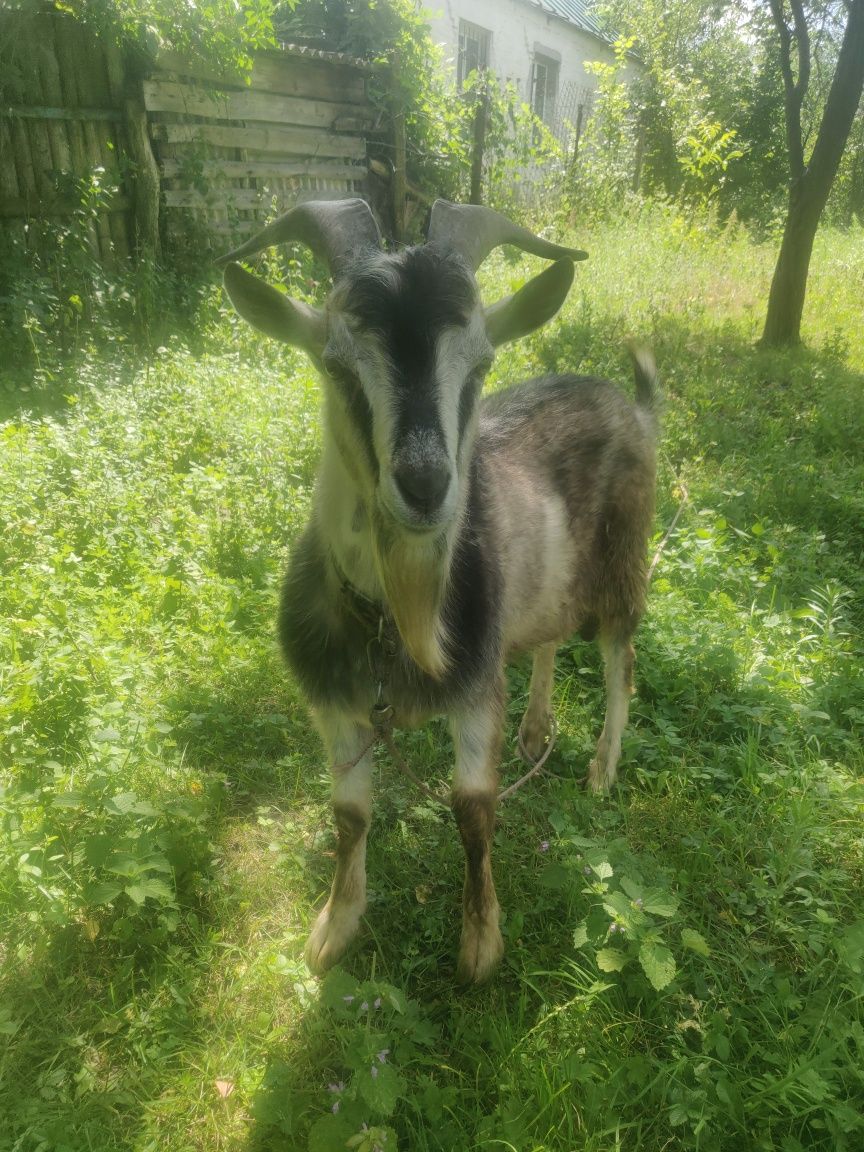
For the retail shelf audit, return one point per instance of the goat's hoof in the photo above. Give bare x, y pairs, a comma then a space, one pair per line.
600, 779
334, 930
480, 951
534, 736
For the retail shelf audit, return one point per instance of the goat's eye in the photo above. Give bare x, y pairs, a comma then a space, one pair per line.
340, 373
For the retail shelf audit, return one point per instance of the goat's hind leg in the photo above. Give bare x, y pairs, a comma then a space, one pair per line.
536, 726
339, 919
618, 657
478, 736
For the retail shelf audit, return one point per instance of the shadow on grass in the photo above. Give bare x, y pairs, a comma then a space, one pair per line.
23, 396
411, 926
100, 1031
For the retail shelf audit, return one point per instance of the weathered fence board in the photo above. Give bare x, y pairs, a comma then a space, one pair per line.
330, 79
163, 95
269, 138
213, 169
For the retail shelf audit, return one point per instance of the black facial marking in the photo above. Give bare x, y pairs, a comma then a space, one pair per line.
359, 408
432, 291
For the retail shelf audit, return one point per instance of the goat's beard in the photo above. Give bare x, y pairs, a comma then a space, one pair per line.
414, 574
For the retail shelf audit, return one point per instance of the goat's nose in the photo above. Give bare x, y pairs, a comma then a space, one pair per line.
423, 486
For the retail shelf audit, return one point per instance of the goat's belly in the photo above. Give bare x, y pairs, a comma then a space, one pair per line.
534, 629
539, 558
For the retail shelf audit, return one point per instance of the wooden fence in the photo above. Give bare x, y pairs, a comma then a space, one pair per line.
232, 152
177, 150
61, 124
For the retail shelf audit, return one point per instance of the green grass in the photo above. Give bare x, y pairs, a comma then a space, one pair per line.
165, 831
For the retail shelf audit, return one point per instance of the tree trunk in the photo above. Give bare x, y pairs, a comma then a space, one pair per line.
481, 113
809, 192
789, 285
400, 156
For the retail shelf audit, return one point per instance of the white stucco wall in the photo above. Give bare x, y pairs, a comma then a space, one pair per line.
517, 27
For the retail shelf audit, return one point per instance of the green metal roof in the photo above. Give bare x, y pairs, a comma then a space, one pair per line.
576, 12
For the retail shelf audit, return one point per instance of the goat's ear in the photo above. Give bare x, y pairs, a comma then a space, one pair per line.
274, 313
534, 304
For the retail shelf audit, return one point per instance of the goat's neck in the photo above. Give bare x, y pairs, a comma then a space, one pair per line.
407, 574
345, 523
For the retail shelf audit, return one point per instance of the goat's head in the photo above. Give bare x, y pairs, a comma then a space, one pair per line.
403, 345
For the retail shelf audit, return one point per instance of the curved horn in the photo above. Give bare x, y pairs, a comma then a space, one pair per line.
334, 229
473, 231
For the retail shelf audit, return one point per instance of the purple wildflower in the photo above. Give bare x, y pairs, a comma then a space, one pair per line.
374, 1072
340, 1087
613, 927
544, 845
587, 869
382, 1055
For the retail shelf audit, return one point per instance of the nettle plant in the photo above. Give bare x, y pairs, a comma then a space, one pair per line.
377, 1030
83, 851
629, 924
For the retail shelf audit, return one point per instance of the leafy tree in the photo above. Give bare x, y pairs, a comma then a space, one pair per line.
386, 31
439, 121
223, 32
811, 177
691, 73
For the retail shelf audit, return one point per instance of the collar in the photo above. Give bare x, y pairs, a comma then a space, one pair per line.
366, 610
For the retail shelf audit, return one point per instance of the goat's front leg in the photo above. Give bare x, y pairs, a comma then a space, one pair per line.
618, 657
478, 737
339, 919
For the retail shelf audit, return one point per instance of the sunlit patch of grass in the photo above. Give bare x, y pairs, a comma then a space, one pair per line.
165, 838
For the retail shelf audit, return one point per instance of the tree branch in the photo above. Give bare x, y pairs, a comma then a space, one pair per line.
843, 99
793, 90
802, 36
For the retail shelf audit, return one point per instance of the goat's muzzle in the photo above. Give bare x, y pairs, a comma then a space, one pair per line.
419, 492
423, 486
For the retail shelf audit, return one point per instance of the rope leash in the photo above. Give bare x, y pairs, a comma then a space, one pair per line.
383, 734
667, 535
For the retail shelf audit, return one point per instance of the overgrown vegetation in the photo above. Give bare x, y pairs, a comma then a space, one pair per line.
222, 32
703, 115
59, 298
684, 959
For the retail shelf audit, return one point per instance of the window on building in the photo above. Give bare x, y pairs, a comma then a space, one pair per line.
474, 45
544, 86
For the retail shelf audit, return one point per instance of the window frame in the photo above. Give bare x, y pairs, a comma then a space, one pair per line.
551, 69
472, 34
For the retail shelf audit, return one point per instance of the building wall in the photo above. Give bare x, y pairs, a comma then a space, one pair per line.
518, 30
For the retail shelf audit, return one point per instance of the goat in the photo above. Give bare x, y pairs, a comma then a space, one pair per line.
446, 532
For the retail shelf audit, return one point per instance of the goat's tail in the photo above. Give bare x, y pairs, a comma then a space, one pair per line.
645, 371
